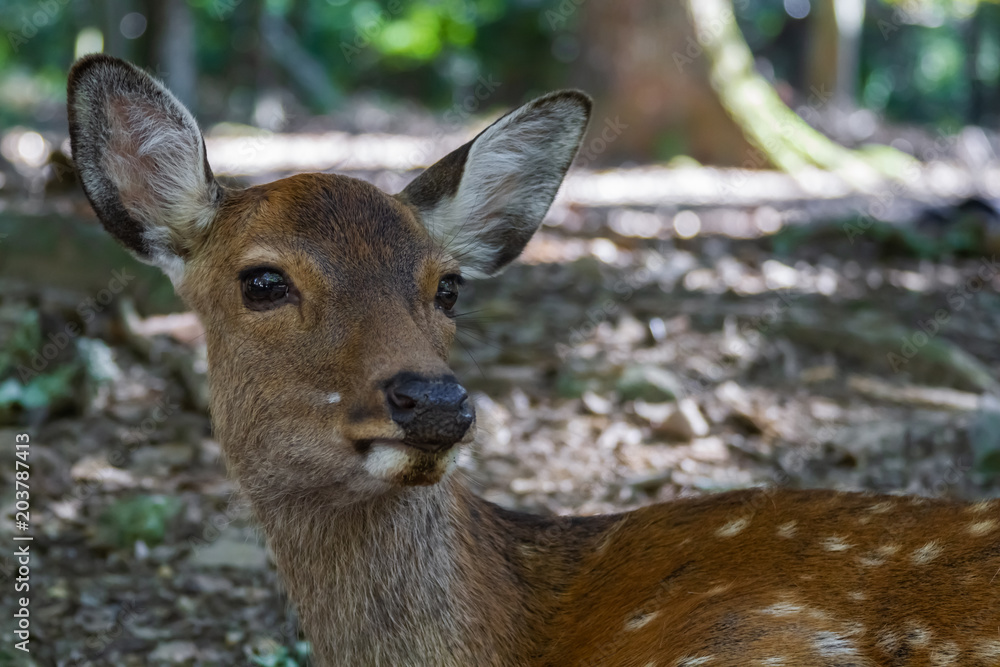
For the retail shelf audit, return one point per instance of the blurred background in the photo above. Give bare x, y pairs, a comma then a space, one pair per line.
773, 263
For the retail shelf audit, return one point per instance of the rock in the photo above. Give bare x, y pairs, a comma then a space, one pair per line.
741, 408
654, 413
877, 340
933, 398
630, 331
231, 549
98, 470
649, 383
678, 421
596, 404
174, 653
711, 450
152, 459
686, 422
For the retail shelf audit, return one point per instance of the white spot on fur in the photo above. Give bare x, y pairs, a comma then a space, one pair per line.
918, 636
782, 609
980, 528
640, 620
882, 507
888, 641
333, 398
926, 553
879, 556
694, 662
773, 662
857, 595
734, 527
854, 629
830, 644
835, 544
980, 507
988, 649
787, 530
944, 654
718, 588
887, 550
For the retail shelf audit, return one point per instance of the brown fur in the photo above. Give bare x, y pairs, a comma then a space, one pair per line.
388, 557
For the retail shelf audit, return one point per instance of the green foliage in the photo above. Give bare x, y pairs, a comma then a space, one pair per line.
930, 60
140, 518
282, 656
22, 336
917, 62
22, 387
41, 391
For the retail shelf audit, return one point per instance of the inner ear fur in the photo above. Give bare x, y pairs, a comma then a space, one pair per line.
141, 160
483, 201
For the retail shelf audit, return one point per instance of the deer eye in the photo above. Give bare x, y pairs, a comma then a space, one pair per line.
265, 288
447, 292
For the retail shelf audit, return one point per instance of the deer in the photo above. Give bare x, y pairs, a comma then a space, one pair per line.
328, 309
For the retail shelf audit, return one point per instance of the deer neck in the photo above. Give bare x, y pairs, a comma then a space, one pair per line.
431, 575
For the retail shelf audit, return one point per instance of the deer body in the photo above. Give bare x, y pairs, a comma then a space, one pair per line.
328, 310
751, 577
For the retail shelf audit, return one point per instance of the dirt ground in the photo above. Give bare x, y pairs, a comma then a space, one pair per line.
611, 372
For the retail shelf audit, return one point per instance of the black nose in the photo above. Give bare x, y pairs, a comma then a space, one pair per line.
434, 413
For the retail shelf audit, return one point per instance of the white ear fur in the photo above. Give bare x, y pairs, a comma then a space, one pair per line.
484, 208
141, 159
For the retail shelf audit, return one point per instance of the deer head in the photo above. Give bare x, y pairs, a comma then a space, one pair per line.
327, 303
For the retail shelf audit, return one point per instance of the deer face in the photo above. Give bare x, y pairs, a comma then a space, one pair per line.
327, 303
328, 309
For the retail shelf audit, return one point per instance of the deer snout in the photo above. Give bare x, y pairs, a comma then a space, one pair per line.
434, 413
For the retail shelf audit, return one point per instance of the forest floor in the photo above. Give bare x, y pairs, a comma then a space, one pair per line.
610, 371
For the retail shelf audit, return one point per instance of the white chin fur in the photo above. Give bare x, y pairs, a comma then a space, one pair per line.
396, 463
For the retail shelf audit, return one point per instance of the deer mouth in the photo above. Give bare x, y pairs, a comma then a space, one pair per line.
404, 464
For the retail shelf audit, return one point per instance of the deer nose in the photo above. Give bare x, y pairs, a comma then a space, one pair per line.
434, 413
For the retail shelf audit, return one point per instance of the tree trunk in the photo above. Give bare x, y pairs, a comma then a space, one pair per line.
650, 79
172, 47
822, 50
679, 75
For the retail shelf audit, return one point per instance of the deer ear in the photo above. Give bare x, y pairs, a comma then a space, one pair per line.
141, 159
484, 200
